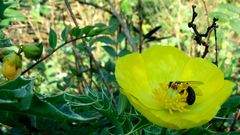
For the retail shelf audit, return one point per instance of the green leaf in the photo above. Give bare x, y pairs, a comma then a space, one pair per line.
59, 111
142, 122
87, 29
80, 100
102, 39
15, 15
123, 52
230, 106
76, 32
122, 104
114, 24
152, 31
110, 50
52, 38
120, 37
221, 16
197, 131
229, 7
16, 94
5, 22
64, 34
5, 43
3, 7
234, 23
97, 31
2, 35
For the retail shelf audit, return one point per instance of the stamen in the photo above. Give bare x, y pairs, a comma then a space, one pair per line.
173, 100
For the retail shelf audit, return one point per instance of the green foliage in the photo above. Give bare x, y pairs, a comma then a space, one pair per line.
77, 32
64, 34
3, 7
52, 38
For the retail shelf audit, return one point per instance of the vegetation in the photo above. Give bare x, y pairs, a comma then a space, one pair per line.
58, 61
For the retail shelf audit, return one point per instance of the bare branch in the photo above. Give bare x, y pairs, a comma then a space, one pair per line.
124, 26
77, 57
198, 37
91, 55
140, 24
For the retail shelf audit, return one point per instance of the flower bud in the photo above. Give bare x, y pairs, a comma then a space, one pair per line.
33, 51
12, 66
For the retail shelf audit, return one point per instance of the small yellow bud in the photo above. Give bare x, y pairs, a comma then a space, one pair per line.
12, 66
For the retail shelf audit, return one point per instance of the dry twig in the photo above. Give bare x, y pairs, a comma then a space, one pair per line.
199, 36
140, 24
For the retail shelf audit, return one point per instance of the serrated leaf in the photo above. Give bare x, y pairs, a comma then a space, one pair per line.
52, 39
80, 100
20, 93
110, 50
64, 34
16, 94
57, 111
143, 122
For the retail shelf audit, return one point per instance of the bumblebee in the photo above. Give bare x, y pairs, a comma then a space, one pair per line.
182, 86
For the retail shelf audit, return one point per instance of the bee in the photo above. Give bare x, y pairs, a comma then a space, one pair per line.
182, 86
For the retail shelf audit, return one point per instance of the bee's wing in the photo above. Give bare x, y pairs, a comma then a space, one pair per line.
197, 91
193, 82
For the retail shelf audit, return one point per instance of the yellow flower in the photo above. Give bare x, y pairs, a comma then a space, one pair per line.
157, 83
12, 66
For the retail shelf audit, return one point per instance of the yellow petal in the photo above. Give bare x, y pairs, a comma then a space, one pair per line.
185, 120
163, 64
201, 70
140, 74
130, 73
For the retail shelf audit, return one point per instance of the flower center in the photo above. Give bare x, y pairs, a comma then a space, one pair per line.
174, 96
